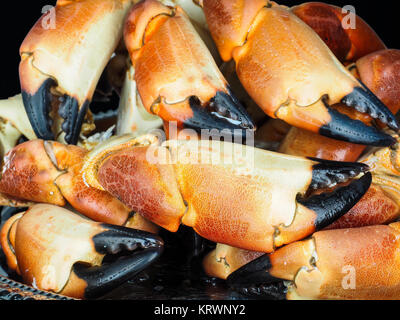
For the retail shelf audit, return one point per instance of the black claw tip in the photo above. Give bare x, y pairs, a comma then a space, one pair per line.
37, 107
327, 174
253, 274
224, 113
364, 101
73, 118
102, 279
342, 127
330, 207
118, 239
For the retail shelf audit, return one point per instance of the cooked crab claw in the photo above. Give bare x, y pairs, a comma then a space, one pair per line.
177, 77
59, 251
355, 130
329, 206
101, 279
290, 73
252, 275
357, 263
65, 63
224, 112
229, 193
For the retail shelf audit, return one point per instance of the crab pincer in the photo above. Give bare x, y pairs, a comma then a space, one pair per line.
256, 203
176, 75
290, 72
56, 250
61, 65
358, 263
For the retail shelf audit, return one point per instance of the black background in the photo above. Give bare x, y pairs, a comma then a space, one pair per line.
17, 17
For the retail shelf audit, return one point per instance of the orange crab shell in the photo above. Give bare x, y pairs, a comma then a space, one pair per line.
376, 207
51, 172
224, 260
303, 143
236, 205
154, 34
348, 44
44, 50
380, 72
39, 241
336, 254
149, 188
228, 35
36, 174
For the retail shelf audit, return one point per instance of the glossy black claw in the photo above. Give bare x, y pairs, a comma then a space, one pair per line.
330, 207
139, 250
224, 112
37, 107
342, 127
118, 239
364, 101
73, 117
252, 275
327, 174
103, 279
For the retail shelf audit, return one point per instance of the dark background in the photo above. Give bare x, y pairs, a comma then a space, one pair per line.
17, 17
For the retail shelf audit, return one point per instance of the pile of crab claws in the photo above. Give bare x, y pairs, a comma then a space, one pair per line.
104, 278
304, 104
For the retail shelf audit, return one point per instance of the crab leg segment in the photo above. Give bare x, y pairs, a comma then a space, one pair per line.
248, 203
58, 251
290, 73
176, 76
337, 264
49, 172
67, 61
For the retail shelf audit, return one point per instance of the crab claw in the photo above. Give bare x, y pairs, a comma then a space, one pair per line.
348, 44
363, 265
329, 207
291, 74
49, 172
47, 242
67, 60
177, 77
229, 193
